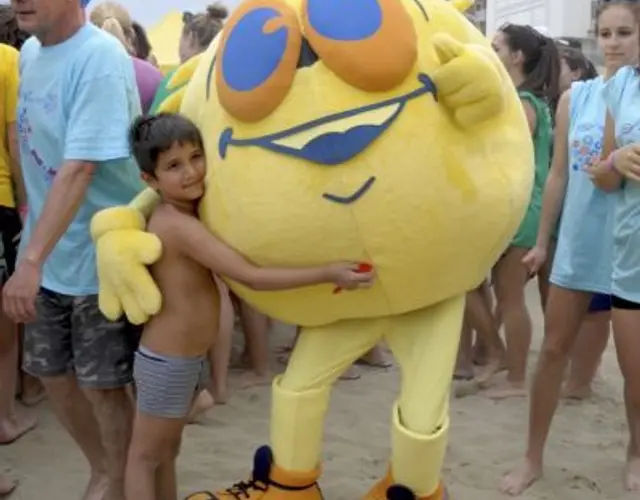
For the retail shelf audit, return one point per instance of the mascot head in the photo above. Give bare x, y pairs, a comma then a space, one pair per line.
328, 139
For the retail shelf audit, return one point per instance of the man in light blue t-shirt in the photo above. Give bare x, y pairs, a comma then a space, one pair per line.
78, 97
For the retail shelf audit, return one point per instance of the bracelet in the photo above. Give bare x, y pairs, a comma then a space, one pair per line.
23, 210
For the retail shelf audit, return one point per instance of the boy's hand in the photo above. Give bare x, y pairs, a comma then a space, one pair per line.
350, 275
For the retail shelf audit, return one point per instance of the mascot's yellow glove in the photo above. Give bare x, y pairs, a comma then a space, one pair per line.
469, 82
123, 250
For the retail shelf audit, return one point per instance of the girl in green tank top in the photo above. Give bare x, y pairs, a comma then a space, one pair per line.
198, 32
533, 62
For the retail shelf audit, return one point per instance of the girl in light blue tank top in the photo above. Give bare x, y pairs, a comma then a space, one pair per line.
622, 94
582, 264
587, 217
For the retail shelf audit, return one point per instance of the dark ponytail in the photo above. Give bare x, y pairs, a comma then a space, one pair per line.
577, 61
541, 65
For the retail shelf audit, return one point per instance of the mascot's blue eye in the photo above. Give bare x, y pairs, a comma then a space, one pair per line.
345, 21
252, 52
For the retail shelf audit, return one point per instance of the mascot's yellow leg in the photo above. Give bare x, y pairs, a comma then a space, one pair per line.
425, 344
290, 469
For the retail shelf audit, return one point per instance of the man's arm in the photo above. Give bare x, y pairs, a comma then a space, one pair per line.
194, 240
65, 197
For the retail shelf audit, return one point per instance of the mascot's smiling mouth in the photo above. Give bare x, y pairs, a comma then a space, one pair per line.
333, 139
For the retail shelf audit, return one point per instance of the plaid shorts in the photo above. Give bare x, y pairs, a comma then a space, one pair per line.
70, 335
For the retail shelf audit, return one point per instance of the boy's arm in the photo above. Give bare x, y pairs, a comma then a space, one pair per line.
191, 237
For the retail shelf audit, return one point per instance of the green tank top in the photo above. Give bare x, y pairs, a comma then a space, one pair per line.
542, 142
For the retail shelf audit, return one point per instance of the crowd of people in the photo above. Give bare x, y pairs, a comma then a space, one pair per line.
80, 121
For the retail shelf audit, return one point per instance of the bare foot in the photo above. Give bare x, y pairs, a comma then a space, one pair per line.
202, 403
463, 375
350, 374
577, 393
506, 390
97, 487
16, 426
488, 370
252, 379
374, 359
284, 349
220, 395
518, 481
32, 391
632, 474
7, 485
466, 388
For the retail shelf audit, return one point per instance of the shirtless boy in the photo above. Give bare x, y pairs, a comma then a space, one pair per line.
170, 362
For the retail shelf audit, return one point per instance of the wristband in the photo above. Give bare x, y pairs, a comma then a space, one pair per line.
23, 210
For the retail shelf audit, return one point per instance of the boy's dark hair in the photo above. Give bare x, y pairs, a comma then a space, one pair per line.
541, 66
150, 136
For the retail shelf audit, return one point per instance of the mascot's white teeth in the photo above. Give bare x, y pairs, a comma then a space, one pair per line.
373, 118
333, 139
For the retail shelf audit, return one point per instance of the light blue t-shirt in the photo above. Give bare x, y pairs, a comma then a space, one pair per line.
622, 95
583, 254
77, 101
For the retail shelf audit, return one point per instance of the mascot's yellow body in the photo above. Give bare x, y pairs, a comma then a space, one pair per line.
381, 131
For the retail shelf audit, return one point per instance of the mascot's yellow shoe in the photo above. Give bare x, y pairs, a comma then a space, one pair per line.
387, 490
269, 482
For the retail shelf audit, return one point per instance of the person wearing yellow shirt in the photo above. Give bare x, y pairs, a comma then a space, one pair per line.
13, 424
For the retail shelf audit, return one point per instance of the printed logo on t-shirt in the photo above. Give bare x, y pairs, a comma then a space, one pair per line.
586, 145
25, 131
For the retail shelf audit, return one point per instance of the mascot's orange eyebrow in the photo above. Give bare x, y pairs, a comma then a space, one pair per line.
422, 9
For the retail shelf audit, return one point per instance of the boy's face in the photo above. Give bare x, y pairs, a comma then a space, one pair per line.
180, 173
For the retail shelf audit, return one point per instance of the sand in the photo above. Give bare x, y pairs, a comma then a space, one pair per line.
584, 460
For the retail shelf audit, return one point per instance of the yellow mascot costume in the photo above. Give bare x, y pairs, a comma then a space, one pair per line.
379, 131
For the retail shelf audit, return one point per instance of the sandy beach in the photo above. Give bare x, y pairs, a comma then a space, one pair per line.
584, 460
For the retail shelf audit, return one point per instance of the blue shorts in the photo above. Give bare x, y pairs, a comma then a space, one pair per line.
167, 385
600, 303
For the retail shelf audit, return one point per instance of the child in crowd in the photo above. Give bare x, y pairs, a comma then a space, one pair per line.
171, 360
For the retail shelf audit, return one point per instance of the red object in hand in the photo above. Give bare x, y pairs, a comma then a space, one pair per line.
363, 267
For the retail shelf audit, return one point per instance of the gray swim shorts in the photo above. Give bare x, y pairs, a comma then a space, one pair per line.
166, 385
